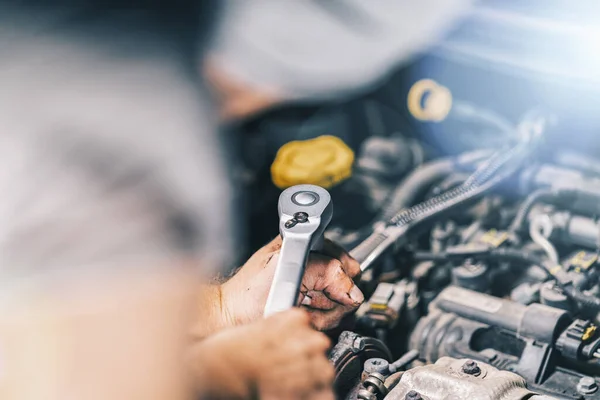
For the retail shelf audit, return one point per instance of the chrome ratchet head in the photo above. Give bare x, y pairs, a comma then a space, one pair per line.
304, 213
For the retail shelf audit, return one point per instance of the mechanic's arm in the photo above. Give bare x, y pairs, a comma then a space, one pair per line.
328, 291
275, 53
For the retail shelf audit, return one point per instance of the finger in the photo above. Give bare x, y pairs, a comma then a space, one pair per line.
350, 265
325, 320
293, 317
317, 300
328, 373
303, 346
307, 343
327, 275
323, 372
339, 287
318, 343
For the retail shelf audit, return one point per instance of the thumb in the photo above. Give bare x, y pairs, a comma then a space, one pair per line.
339, 287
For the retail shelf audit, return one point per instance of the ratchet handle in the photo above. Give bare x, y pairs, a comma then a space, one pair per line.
304, 213
288, 275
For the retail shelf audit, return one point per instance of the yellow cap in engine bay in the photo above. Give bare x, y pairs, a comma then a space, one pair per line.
323, 161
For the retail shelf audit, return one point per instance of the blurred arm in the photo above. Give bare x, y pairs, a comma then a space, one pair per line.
268, 51
111, 187
214, 314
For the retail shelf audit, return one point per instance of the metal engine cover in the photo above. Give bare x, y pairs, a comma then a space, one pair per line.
445, 380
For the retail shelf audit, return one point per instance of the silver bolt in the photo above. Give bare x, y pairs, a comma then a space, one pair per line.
413, 395
364, 394
358, 344
587, 385
376, 365
470, 367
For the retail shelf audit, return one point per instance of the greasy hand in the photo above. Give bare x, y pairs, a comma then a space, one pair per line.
278, 358
327, 291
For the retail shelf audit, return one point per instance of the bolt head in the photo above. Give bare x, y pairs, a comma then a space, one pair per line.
587, 385
413, 395
358, 344
376, 365
470, 367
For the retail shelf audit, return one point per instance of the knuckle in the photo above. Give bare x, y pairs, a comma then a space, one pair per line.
337, 265
336, 271
317, 265
353, 267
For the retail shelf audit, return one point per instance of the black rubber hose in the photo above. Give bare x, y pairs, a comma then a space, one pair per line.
483, 176
589, 304
415, 184
485, 253
499, 167
370, 249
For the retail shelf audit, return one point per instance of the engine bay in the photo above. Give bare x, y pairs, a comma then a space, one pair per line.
478, 240
480, 273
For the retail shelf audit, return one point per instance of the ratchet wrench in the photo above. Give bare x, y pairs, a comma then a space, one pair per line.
304, 213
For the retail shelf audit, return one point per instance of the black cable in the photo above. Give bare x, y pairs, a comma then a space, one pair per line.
587, 303
444, 201
424, 176
485, 253
485, 178
499, 167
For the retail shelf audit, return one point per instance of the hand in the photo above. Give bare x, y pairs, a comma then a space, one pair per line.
327, 291
237, 99
278, 358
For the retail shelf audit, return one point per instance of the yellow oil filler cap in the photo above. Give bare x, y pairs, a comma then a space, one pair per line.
324, 161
